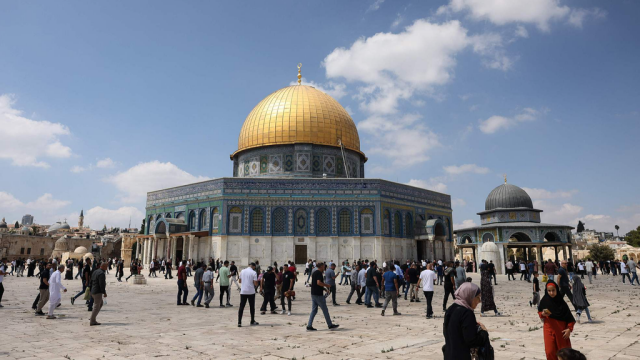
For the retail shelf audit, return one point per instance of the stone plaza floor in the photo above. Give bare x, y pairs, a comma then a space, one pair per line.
143, 322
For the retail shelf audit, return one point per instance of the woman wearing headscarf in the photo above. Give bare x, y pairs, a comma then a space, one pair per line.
580, 298
487, 294
462, 332
557, 318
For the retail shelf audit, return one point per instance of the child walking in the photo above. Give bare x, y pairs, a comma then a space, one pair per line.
536, 290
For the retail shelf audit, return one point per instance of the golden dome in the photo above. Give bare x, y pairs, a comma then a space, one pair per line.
298, 114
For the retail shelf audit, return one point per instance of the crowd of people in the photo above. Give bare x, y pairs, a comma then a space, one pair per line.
369, 283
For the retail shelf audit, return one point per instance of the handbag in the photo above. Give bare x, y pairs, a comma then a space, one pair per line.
545, 278
87, 294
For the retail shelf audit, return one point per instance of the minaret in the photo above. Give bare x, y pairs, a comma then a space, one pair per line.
81, 219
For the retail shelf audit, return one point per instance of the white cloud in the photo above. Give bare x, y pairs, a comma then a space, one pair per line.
135, 182
397, 21
375, 6
8, 202
577, 16
46, 203
465, 224
98, 216
472, 168
333, 89
393, 66
41, 208
78, 169
521, 31
431, 184
24, 141
500, 12
105, 163
538, 194
458, 202
404, 140
496, 122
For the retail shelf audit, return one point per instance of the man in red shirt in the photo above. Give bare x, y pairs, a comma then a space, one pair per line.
182, 284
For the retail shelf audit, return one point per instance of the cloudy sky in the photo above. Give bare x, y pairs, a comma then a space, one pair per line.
102, 102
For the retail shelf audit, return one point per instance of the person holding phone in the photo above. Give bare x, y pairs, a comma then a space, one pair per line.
558, 320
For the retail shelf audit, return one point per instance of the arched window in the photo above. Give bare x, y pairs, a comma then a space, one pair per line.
235, 220
386, 220
192, 221
204, 220
300, 219
366, 221
167, 216
151, 225
215, 217
158, 217
408, 226
488, 237
279, 221
397, 224
257, 221
180, 216
323, 222
345, 222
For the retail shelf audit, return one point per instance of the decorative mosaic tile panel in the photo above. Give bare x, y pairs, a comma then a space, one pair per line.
356, 225
316, 164
246, 219
275, 163
264, 164
334, 229
246, 168
303, 163
254, 166
311, 222
268, 220
241, 170
288, 162
235, 220
290, 221
339, 166
329, 165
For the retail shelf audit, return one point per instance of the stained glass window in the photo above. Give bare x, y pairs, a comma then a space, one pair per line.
257, 224
345, 221
279, 221
366, 221
397, 226
408, 230
204, 220
387, 219
214, 218
323, 222
192, 221
235, 218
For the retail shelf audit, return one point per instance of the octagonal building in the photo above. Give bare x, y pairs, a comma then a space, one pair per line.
298, 192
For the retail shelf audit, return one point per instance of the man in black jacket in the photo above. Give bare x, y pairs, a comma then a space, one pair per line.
98, 291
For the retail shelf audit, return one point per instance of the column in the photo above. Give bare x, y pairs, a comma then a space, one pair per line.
555, 250
190, 249
564, 252
539, 249
138, 250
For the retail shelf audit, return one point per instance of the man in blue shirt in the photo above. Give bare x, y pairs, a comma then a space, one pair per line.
390, 283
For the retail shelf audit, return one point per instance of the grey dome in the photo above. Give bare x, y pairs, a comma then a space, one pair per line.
507, 196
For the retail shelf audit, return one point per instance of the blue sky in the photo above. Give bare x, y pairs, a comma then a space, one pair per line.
101, 102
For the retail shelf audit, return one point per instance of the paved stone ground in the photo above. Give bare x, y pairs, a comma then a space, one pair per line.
143, 322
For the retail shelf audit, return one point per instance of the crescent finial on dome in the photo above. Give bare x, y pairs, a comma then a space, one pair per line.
299, 74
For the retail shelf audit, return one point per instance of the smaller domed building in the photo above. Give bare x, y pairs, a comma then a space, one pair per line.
510, 228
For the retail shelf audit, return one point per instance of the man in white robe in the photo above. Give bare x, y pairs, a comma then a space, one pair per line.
55, 284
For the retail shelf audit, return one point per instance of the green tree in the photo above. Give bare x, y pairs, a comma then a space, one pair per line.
599, 252
580, 227
633, 237
142, 227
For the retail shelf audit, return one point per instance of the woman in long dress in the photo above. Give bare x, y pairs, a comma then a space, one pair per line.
557, 318
580, 298
462, 332
487, 294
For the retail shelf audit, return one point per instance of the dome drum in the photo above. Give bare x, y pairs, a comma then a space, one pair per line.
299, 160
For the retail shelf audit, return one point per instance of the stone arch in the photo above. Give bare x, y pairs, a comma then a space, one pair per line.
215, 218
552, 236
192, 220
203, 220
488, 237
436, 229
167, 216
161, 227
180, 216
465, 239
519, 237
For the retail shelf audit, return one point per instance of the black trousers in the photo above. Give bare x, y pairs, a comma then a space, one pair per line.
333, 293
35, 303
269, 297
429, 296
252, 306
224, 289
447, 291
282, 301
2, 292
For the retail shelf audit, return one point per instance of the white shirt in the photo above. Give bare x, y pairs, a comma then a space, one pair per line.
3, 269
589, 265
623, 268
55, 285
580, 266
424, 263
509, 265
247, 277
362, 278
522, 267
427, 277
439, 262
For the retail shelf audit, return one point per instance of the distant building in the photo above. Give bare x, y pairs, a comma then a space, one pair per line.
27, 220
